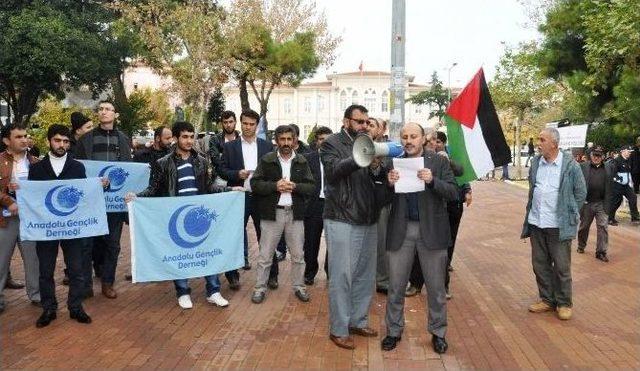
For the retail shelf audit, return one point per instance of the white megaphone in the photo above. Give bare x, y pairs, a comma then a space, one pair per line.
365, 150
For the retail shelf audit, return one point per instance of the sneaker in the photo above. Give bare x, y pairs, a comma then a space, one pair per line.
257, 297
580, 250
302, 295
540, 307
564, 313
184, 302
217, 299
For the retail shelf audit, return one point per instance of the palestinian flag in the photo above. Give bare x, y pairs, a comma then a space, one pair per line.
475, 138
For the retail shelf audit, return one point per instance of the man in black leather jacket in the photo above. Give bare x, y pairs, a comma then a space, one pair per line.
350, 215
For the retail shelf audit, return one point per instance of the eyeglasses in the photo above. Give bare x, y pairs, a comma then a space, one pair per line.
360, 122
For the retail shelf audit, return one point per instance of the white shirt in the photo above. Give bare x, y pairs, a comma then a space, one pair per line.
20, 168
544, 203
57, 163
250, 157
321, 180
285, 197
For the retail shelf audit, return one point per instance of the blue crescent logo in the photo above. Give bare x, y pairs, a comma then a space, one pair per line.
189, 225
117, 177
63, 200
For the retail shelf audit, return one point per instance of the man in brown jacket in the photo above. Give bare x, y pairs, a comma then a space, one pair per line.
14, 165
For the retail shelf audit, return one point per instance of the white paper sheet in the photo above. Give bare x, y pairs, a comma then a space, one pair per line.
408, 169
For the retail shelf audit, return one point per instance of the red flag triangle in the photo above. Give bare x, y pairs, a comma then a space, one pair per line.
464, 108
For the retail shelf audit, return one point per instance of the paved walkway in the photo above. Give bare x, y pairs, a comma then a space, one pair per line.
489, 326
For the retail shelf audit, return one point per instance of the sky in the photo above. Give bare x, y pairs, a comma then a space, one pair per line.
471, 33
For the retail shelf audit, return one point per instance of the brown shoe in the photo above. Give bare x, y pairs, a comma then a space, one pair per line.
363, 331
108, 291
540, 307
564, 313
345, 342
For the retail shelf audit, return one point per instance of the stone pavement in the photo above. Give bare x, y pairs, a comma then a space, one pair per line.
489, 326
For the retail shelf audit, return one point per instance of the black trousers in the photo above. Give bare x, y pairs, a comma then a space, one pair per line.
107, 248
455, 210
636, 183
617, 192
72, 251
312, 233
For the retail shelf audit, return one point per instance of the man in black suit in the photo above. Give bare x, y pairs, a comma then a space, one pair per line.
418, 223
239, 160
313, 215
55, 166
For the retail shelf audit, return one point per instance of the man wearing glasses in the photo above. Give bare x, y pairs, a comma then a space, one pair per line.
106, 143
596, 176
350, 216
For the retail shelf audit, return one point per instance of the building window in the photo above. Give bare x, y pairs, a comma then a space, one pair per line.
384, 106
307, 104
343, 100
370, 99
287, 105
320, 103
354, 98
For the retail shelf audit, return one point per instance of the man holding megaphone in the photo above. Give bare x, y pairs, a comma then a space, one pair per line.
350, 215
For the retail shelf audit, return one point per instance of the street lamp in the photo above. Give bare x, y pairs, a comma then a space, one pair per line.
449, 78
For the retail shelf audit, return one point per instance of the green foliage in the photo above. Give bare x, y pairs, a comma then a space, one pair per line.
437, 96
50, 45
145, 109
592, 48
50, 111
216, 106
611, 137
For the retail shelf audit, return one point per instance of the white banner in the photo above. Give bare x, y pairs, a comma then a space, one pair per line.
573, 136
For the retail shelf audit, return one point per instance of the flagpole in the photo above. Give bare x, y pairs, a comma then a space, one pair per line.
396, 118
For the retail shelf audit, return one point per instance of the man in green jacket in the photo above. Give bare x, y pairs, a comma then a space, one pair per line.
556, 193
282, 182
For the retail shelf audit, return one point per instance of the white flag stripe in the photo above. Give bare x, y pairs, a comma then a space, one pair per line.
477, 149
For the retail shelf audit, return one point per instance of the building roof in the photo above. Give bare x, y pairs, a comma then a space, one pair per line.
367, 73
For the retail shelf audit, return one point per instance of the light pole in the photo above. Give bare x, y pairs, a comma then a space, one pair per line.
396, 119
449, 78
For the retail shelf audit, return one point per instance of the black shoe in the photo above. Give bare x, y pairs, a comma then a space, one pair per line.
302, 295
45, 319
65, 280
247, 266
80, 315
128, 277
234, 284
439, 344
12, 284
272, 283
602, 256
390, 342
580, 250
382, 290
257, 297
309, 281
36, 303
613, 222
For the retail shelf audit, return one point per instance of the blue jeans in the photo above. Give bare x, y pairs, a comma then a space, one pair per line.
213, 286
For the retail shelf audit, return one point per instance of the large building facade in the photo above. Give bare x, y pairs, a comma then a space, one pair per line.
311, 103
323, 103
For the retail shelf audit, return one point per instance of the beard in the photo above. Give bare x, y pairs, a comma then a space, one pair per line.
228, 131
60, 152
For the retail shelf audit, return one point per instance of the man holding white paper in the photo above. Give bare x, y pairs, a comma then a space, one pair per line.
419, 220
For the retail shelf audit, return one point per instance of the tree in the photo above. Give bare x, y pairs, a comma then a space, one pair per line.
49, 46
276, 41
183, 40
50, 111
592, 48
436, 96
520, 88
216, 106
